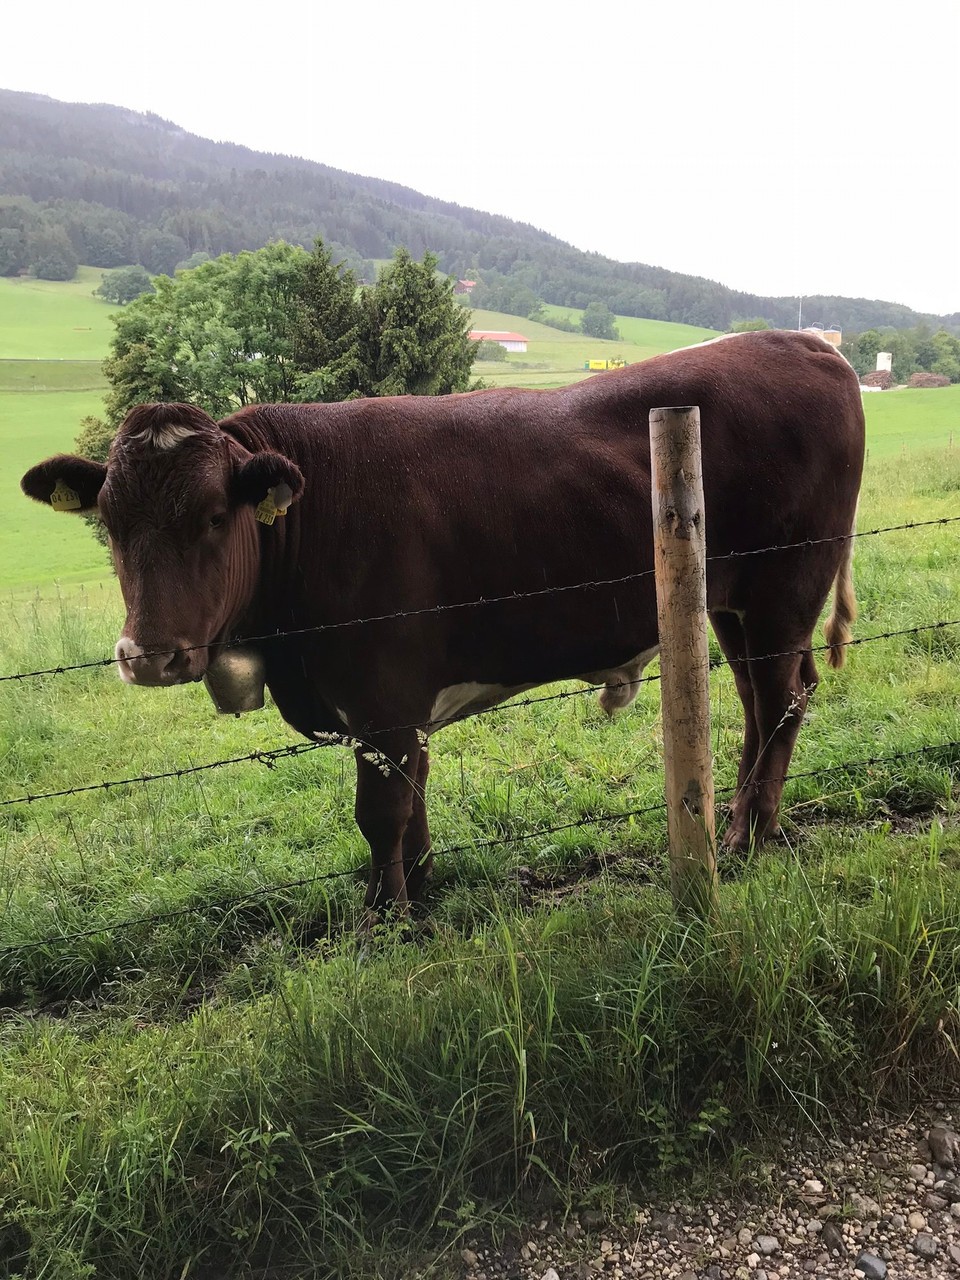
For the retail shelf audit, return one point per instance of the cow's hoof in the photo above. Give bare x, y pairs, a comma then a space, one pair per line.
743, 839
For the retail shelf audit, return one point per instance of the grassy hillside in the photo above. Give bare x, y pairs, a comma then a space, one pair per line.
37, 546
555, 358
54, 320
649, 336
912, 417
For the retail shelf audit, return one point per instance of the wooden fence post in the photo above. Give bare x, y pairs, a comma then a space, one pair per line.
680, 563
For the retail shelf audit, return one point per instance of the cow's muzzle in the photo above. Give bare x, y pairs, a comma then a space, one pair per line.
158, 666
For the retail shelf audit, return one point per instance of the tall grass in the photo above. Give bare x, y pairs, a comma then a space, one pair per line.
366, 1100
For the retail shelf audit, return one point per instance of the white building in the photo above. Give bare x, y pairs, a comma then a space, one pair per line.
509, 341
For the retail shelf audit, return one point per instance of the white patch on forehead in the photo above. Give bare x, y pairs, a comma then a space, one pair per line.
166, 436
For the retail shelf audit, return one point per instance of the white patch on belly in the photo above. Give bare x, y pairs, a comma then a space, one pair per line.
621, 683
463, 699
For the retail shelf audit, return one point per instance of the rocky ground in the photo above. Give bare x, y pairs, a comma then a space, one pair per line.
883, 1203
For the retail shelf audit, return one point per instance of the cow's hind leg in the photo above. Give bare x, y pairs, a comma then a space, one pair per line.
782, 677
730, 635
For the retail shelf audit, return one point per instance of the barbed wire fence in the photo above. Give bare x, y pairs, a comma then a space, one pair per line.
234, 901
949, 750
483, 601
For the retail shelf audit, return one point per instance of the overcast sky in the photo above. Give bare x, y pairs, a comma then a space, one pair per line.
780, 147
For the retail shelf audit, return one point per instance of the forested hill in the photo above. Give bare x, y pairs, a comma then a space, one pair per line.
107, 186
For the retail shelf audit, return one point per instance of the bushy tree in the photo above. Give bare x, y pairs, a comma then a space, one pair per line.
487, 350
915, 350
946, 355
123, 285
597, 321
326, 322
749, 326
14, 251
52, 254
160, 251
282, 325
414, 335
195, 260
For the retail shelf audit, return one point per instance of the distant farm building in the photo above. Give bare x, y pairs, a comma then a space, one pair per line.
509, 341
884, 361
832, 335
465, 286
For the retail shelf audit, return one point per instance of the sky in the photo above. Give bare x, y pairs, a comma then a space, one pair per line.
782, 148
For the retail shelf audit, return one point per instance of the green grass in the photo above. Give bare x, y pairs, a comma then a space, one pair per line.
912, 417
651, 337
50, 319
36, 546
555, 358
241, 1082
52, 376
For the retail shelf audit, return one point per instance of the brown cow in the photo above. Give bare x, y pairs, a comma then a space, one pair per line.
401, 504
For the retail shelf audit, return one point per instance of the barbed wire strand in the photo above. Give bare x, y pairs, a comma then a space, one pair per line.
64, 669
268, 757
233, 901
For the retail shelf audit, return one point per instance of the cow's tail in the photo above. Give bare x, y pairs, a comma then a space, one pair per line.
838, 630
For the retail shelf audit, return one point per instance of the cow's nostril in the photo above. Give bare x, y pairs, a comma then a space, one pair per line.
141, 664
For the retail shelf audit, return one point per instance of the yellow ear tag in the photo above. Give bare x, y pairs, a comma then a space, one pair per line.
64, 498
274, 504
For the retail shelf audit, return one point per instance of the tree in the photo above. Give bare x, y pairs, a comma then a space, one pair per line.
748, 326
53, 257
283, 325
947, 360
325, 330
160, 251
414, 335
14, 253
123, 285
597, 321
194, 260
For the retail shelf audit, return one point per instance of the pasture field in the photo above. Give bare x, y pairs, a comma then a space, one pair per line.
650, 336
205, 1074
53, 319
898, 420
555, 358
34, 549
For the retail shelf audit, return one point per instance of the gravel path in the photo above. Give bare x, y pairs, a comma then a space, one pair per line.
883, 1204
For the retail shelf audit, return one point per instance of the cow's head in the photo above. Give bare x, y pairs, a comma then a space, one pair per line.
177, 496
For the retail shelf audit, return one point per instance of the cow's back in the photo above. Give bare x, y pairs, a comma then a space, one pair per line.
416, 501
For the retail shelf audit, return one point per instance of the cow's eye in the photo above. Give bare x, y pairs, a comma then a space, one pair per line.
217, 521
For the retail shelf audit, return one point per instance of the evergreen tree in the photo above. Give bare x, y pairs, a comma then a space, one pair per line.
414, 334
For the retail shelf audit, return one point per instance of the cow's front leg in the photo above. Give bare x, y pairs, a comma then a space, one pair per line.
417, 850
387, 767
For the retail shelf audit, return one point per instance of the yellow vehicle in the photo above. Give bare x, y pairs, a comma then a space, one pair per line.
596, 366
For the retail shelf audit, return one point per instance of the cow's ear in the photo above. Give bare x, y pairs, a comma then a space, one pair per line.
66, 483
267, 476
